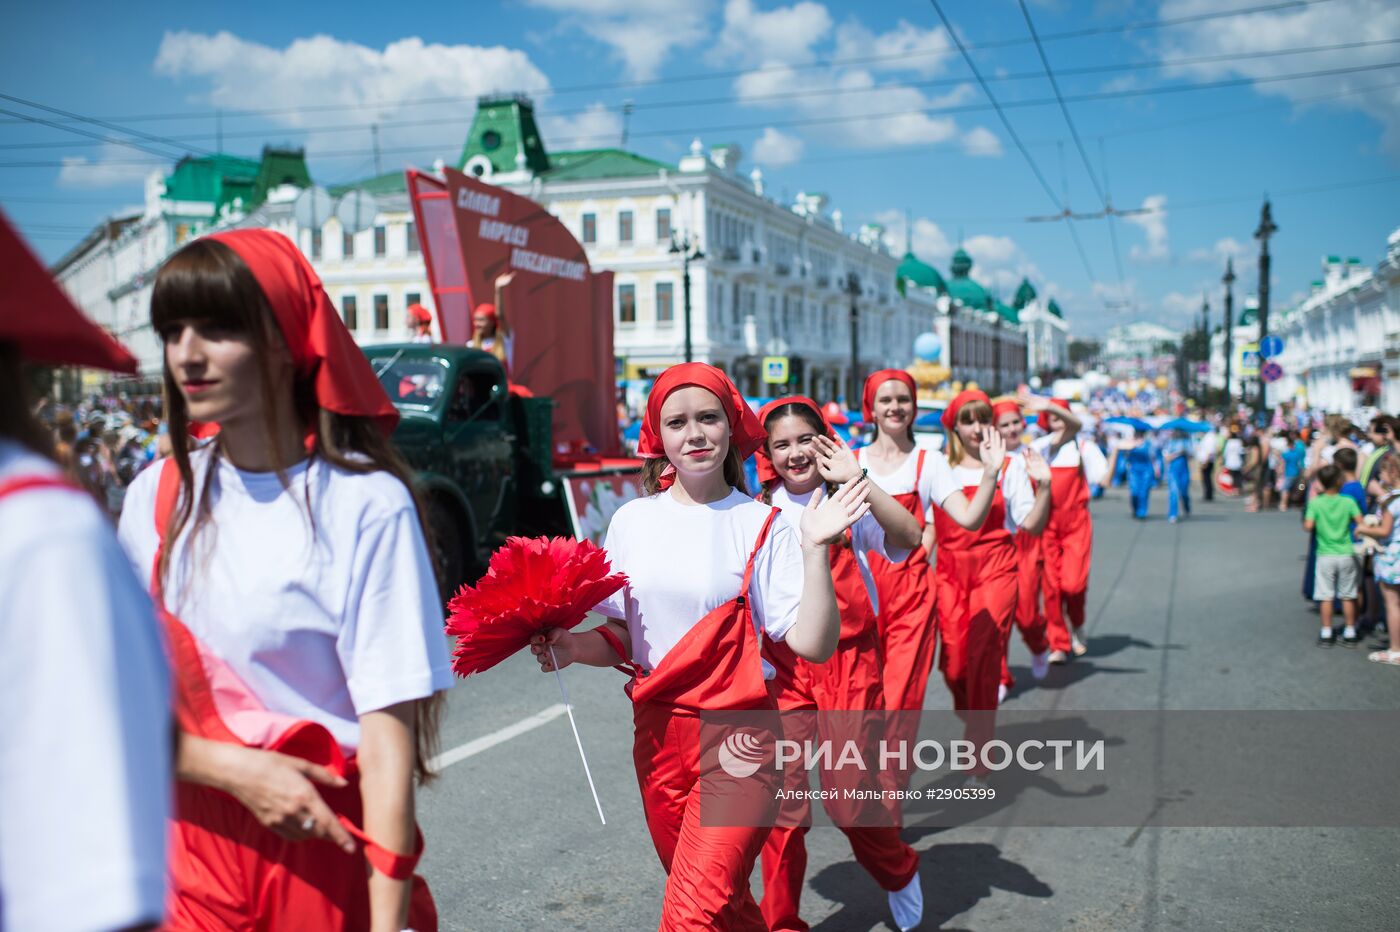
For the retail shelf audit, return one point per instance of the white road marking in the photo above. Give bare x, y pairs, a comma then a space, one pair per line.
477, 745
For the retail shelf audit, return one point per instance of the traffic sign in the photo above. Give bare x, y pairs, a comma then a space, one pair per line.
1271, 372
775, 370
1271, 347
1248, 356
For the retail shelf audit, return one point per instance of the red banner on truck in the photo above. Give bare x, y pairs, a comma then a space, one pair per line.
558, 310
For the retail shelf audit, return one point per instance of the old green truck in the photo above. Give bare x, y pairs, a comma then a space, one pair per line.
484, 458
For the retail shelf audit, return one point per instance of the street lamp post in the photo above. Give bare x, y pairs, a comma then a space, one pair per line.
1204, 394
1266, 229
688, 248
1229, 281
853, 289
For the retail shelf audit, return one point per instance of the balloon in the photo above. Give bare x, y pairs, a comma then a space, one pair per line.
1035, 382
927, 347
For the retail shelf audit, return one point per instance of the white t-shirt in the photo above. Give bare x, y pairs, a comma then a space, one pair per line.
1206, 446
866, 535
901, 481
325, 624
1234, 453
85, 769
1069, 455
684, 561
1015, 485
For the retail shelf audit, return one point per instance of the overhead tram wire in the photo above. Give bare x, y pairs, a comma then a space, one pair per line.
734, 73
819, 121
1015, 137
114, 140
146, 137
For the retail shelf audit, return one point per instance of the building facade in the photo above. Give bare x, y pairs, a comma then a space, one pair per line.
1141, 349
1342, 342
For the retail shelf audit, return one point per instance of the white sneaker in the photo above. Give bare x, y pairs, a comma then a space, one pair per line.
907, 905
1040, 664
1077, 646
1001, 693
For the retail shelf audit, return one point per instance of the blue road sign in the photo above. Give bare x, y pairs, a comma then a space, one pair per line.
1271, 347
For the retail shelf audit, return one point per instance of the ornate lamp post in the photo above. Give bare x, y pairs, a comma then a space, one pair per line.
853, 289
688, 248
1229, 281
1262, 234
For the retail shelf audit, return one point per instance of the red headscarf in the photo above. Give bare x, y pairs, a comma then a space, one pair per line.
766, 473
420, 314
950, 414
1004, 405
319, 343
488, 311
39, 318
1045, 415
872, 384
746, 430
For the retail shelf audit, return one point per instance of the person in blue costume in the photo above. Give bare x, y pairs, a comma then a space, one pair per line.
1177, 453
1144, 466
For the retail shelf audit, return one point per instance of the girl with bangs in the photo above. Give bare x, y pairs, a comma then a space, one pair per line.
976, 565
710, 571
801, 459
289, 563
905, 587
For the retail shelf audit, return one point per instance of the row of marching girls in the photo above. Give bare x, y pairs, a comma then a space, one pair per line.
290, 573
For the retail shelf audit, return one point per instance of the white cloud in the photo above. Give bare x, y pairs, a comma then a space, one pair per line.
1154, 227
996, 251
111, 167
1318, 24
905, 48
641, 35
980, 141
594, 128
783, 35
1225, 248
930, 244
379, 83
1180, 305
776, 149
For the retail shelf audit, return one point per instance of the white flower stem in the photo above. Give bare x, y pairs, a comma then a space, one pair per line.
569, 708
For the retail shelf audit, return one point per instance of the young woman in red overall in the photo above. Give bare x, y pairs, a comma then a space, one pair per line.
976, 568
288, 559
907, 636
801, 455
708, 568
1030, 620
1068, 541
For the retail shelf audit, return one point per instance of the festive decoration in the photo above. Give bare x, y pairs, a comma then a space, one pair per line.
928, 347
531, 584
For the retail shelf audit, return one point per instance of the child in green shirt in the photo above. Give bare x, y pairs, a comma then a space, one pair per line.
1330, 517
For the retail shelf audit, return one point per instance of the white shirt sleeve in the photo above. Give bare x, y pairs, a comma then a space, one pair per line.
615, 605
925, 481
868, 535
1095, 463
941, 483
775, 590
85, 770
392, 646
1017, 491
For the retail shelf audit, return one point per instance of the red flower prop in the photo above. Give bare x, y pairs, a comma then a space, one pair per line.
532, 583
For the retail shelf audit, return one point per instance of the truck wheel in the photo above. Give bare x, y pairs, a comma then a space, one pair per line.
453, 556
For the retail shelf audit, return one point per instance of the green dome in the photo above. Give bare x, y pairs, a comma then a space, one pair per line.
1250, 316
962, 263
1007, 313
1054, 308
963, 289
1025, 294
920, 273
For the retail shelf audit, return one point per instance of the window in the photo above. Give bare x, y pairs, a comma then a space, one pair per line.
348, 311
315, 244
663, 224
624, 226
472, 400
627, 304
412, 233
347, 245
665, 312
590, 228
381, 242
381, 312
412, 298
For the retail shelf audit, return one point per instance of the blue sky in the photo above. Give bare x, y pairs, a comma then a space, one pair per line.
872, 103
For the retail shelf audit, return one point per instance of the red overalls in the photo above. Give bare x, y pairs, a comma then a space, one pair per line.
976, 584
849, 681
1030, 620
1068, 543
907, 636
716, 666
226, 870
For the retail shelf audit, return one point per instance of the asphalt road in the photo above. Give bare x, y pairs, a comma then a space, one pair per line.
1204, 614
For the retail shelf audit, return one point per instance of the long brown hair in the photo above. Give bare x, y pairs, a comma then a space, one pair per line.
972, 411
207, 282
17, 420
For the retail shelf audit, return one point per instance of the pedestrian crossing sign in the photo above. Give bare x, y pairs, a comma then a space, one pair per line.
775, 370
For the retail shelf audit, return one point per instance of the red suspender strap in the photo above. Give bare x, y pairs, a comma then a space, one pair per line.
26, 483
395, 866
748, 567
615, 642
167, 493
919, 468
